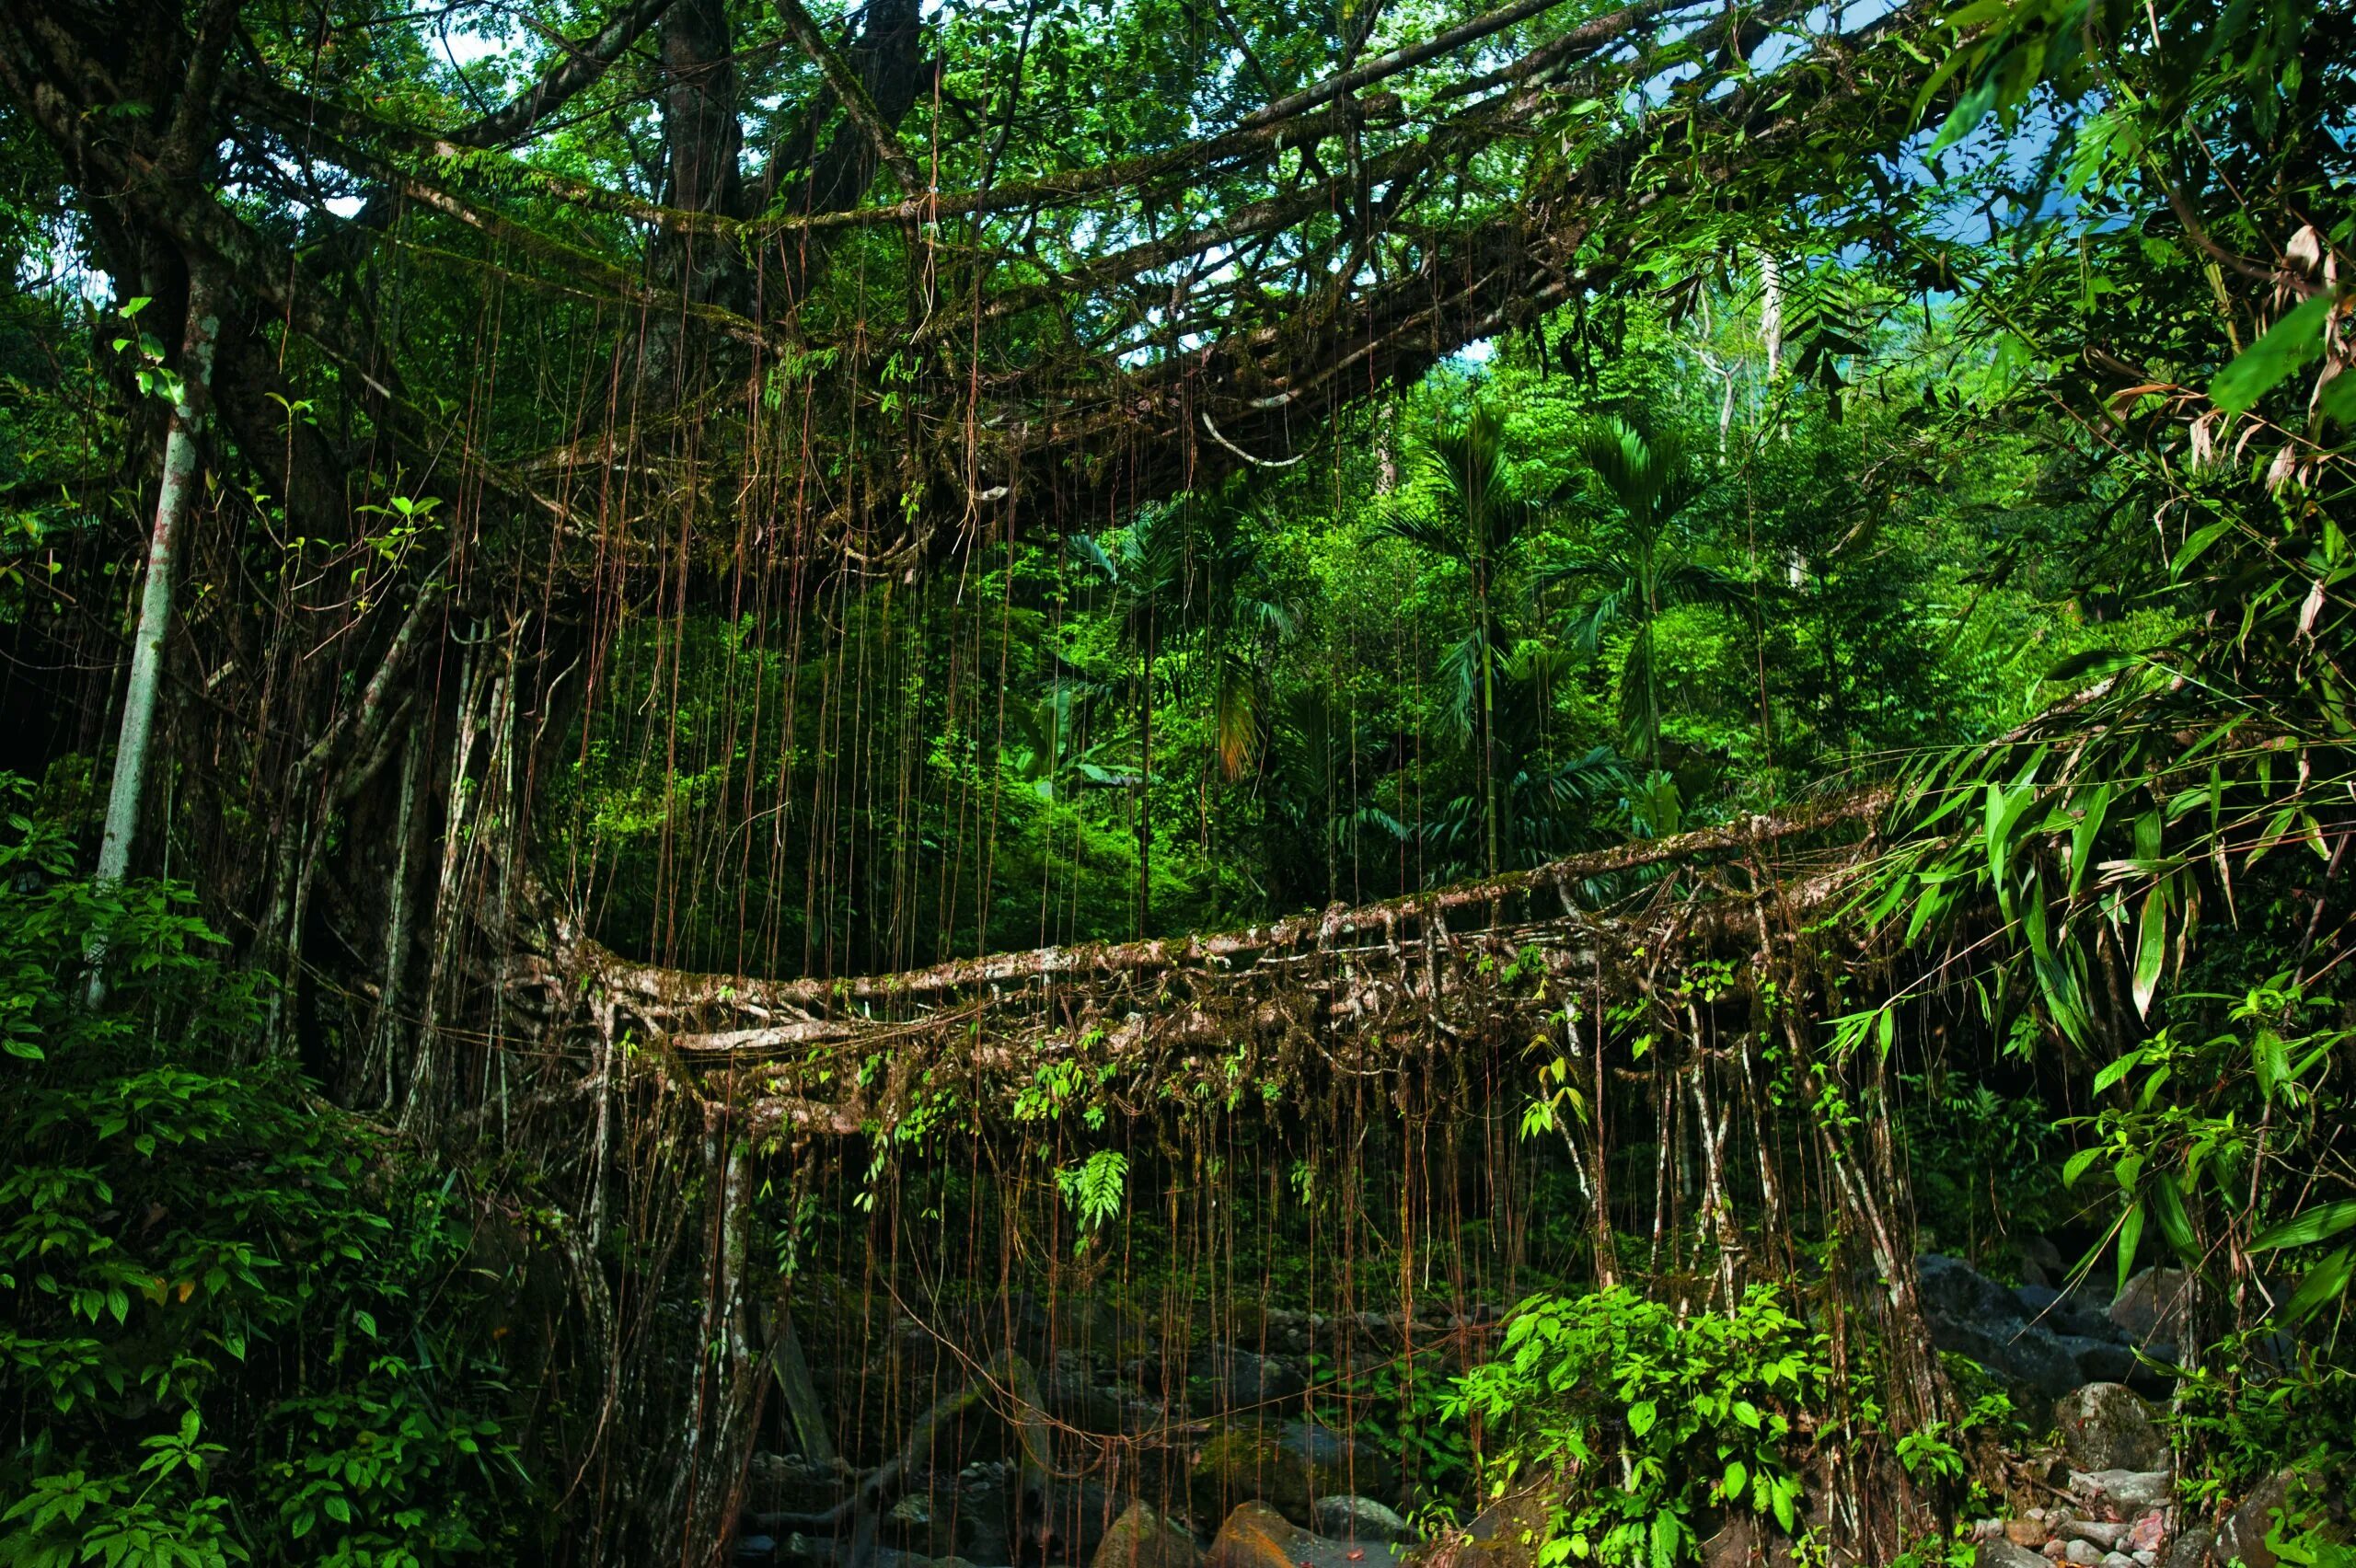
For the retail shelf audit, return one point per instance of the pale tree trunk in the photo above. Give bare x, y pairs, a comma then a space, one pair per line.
172, 504
1771, 313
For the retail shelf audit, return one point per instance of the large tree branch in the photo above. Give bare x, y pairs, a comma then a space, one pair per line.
852, 93
577, 68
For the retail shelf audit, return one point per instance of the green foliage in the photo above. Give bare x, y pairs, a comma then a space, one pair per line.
1650, 1418
234, 1331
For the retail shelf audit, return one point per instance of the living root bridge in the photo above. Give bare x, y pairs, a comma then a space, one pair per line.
1344, 992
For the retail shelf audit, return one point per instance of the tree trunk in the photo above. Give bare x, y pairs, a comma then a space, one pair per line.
172, 504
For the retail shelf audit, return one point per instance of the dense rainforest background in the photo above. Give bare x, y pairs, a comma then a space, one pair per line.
1177, 783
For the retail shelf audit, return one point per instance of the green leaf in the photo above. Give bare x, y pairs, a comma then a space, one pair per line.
2197, 543
2117, 1070
1643, 1417
2325, 1280
2131, 1237
2306, 1228
2150, 948
2258, 369
2083, 835
2166, 1205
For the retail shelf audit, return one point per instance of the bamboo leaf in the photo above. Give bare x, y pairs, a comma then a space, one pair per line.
2325, 1280
2317, 1224
2150, 948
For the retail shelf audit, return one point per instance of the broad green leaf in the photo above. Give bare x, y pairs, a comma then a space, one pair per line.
2326, 1280
2306, 1228
2082, 837
2288, 344
2150, 948
2167, 1211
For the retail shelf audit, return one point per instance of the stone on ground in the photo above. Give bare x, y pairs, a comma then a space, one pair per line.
1256, 1536
1346, 1517
1141, 1538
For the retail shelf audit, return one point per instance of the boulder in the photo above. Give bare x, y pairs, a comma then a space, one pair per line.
919, 1524
2041, 1261
2102, 1360
1506, 1534
2291, 1499
1353, 1518
2028, 1533
1969, 1314
2190, 1549
2107, 1426
1735, 1545
1256, 1536
2004, 1554
1290, 1467
1079, 1516
1241, 1380
1143, 1539
2122, 1494
2146, 1534
2151, 1309
2083, 1553
2104, 1533
789, 1483
2119, 1559
2067, 1313
986, 1510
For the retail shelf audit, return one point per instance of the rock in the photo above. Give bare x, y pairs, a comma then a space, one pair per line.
2122, 1494
1289, 1468
1971, 1315
2291, 1499
2117, 1559
915, 1525
2041, 1261
754, 1551
1143, 1539
2030, 1533
2102, 1360
2066, 1313
1506, 1534
2104, 1533
1080, 1514
1987, 1529
1242, 1381
2191, 1547
2083, 1552
2107, 1426
1954, 1291
2151, 1309
1736, 1544
2004, 1554
986, 1510
1256, 1536
789, 1483
1353, 1518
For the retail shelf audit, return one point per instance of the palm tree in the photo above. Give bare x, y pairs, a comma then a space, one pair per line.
1185, 579
1476, 517
1638, 572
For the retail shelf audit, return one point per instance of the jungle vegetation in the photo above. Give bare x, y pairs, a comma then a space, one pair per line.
759, 757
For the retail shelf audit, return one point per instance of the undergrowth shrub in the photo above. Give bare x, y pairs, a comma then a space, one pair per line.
1652, 1421
235, 1323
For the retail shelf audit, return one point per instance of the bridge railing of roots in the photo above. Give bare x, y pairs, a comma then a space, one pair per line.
979, 1254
